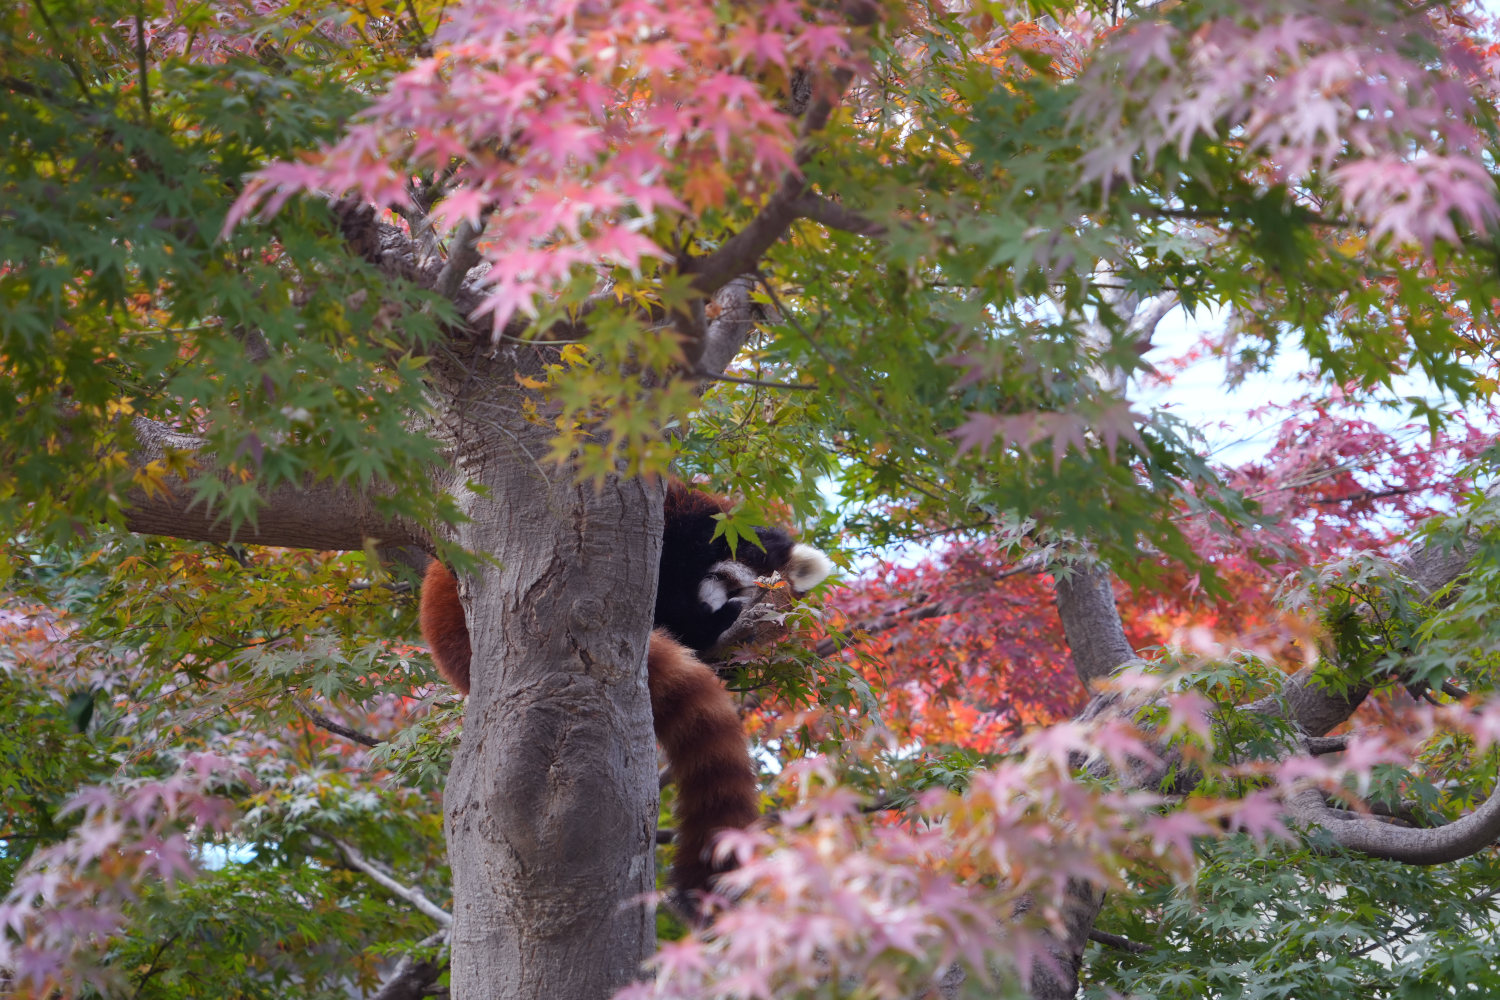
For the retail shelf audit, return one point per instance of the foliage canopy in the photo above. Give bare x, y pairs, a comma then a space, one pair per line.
238, 241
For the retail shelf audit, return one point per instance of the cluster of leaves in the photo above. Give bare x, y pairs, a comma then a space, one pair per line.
1029, 180
119, 301
852, 897
187, 815
577, 133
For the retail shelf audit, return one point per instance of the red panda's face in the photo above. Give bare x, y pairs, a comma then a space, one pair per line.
726, 581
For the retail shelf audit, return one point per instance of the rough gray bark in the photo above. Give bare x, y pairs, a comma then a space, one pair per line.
1091, 621
1095, 635
412, 978
550, 806
1450, 842
551, 802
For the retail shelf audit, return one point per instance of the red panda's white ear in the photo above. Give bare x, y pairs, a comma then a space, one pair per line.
806, 568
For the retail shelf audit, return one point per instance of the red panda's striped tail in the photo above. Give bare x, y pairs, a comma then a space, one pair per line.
698, 727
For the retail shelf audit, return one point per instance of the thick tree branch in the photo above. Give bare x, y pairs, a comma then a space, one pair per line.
742, 252
1317, 746
1304, 701
412, 978
1116, 941
314, 515
836, 216
1315, 708
1091, 622
1459, 839
390, 885
399, 257
462, 257
735, 317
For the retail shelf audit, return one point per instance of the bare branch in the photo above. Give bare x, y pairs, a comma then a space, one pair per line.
743, 251
1400, 932
1148, 316
920, 611
734, 321
1459, 839
411, 895
396, 254
411, 978
324, 722
836, 216
1318, 746
911, 614
1312, 707
461, 259
1316, 709
1116, 941
763, 383
314, 515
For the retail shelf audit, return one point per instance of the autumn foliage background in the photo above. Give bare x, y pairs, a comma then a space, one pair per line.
244, 248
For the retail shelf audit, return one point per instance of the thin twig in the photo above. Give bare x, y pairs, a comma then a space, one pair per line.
68, 61
1116, 941
740, 380
152, 968
411, 895
913, 613
796, 324
1363, 495
1402, 932
324, 722
140, 60
422, 40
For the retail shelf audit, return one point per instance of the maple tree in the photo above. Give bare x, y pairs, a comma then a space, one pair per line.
295, 295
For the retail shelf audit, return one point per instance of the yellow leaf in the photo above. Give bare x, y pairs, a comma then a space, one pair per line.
152, 478
1350, 246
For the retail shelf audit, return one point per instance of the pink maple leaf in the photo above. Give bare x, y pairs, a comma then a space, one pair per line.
1174, 832
1260, 815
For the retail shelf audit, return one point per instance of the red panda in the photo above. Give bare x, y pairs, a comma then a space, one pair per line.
701, 590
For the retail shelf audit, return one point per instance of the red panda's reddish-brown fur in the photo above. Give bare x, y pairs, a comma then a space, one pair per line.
443, 625
700, 731
694, 717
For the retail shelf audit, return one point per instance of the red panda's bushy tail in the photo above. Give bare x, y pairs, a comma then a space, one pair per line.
441, 615
695, 719
698, 727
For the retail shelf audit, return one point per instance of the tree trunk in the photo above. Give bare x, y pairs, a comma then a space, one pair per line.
550, 809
